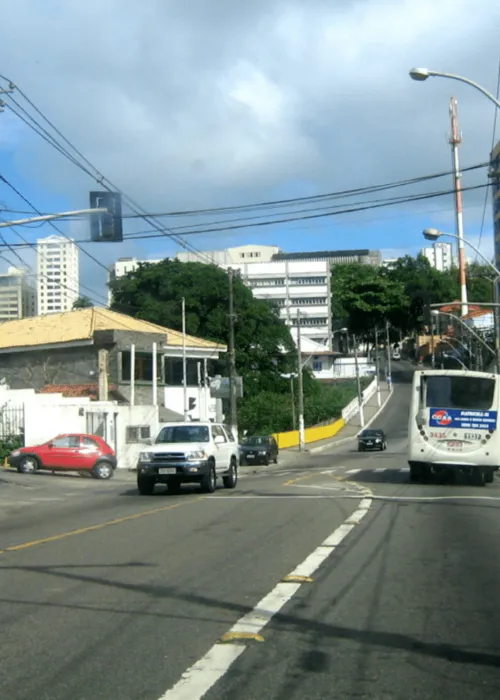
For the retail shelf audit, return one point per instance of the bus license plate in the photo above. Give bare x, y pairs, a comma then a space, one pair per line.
167, 470
454, 445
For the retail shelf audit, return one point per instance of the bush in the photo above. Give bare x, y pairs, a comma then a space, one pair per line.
8, 444
271, 412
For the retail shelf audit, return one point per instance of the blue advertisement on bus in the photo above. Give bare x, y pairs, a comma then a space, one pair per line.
462, 418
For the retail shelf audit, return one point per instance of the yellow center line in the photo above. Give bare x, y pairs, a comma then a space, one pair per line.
98, 526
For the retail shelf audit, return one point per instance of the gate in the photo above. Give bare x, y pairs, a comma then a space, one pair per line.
12, 422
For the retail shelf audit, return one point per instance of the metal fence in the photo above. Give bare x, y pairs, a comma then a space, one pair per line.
11, 422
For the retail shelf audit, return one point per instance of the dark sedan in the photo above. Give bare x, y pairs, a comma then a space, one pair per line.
373, 439
258, 449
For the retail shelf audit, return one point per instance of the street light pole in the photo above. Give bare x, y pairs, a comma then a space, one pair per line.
232, 360
50, 217
496, 316
421, 74
377, 367
388, 344
300, 378
358, 383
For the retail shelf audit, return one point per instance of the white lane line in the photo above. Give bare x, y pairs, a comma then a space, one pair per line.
353, 471
254, 621
380, 469
332, 471
199, 678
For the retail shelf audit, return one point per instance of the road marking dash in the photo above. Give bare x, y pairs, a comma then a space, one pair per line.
199, 678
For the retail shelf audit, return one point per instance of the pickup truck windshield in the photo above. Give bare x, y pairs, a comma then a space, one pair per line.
183, 433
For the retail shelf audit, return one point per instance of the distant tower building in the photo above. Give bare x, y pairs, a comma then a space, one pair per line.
57, 274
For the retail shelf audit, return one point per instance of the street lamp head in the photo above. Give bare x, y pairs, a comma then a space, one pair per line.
419, 73
431, 234
434, 312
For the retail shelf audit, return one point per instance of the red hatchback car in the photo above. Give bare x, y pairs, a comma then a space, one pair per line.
76, 452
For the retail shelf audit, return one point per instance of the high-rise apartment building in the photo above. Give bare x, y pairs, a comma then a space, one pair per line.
57, 274
17, 295
440, 256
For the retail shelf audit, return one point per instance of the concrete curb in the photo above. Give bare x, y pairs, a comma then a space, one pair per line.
334, 443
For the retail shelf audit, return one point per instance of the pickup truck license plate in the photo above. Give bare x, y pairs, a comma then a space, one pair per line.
167, 470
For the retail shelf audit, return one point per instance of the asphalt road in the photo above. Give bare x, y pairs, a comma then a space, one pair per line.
106, 595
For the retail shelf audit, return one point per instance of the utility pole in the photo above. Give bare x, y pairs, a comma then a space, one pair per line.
388, 347
377, 366
302, 440
292, 392
455, 141
232, 360
433, 350
358, 383
184, 361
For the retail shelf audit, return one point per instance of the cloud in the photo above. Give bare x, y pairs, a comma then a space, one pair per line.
216, 103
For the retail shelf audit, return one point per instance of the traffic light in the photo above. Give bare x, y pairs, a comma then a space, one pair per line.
106, 228
191, 403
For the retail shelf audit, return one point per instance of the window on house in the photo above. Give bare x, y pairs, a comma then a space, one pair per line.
136, 433
143, 366
317, 366
174, 371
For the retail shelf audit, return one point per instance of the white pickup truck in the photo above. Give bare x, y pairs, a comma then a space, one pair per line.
189, 452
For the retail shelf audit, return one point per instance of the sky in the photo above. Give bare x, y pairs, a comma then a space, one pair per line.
215, 104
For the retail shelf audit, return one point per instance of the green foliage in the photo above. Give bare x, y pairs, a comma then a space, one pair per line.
271, 412
83, 303
9, 444
264, 348
365, 295
479, 283
154, 293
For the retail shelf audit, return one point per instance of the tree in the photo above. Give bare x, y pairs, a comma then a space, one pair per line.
263, 342
480, 283
365, 296
423, 285
83, 303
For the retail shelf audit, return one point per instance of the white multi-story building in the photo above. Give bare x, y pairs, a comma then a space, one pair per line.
122, 267
440, 256
17, 295
57, 274
232, 256
294, 286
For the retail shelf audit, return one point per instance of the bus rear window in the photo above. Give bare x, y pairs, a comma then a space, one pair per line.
474, 393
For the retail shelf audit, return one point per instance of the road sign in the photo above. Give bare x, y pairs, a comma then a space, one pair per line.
106, 228
220, 387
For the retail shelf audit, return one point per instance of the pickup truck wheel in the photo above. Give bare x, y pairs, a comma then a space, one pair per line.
208, 481
102, 470
28, 465
231, 479
145, 485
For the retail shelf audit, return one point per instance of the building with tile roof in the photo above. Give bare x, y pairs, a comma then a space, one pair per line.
82, 350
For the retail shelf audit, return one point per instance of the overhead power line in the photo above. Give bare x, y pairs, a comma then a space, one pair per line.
86, 166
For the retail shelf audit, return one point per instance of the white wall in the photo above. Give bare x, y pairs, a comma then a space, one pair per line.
205, 405
49, 415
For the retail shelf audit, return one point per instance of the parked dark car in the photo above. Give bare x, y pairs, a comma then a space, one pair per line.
258, 449
372, 439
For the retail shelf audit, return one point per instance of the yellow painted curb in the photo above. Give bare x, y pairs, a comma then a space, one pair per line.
296, 579
236, 636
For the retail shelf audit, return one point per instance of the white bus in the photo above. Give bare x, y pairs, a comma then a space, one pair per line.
453, 424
